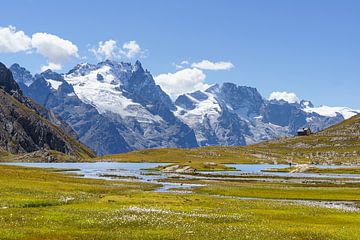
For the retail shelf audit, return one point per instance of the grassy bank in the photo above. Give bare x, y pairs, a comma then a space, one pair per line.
311, 169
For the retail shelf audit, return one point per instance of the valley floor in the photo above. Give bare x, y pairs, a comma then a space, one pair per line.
47, 204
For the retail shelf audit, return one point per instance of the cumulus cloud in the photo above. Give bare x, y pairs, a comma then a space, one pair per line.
111, 50
208, 65
286, 96
189, 76
106, 50
183, 81
55, 49
13, 41
131, 49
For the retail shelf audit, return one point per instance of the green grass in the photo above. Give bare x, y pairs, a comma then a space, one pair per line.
45, 204
331, 192
215, 154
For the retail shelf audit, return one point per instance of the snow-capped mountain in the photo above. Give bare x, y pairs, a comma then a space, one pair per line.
113, 107
227, 114
117, 107
23, 76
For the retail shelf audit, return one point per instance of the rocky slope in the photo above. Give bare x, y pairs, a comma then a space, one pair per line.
25, 126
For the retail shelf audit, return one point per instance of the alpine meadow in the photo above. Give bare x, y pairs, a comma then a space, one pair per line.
160, 119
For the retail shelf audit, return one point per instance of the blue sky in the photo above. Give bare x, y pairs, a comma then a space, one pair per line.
311, 48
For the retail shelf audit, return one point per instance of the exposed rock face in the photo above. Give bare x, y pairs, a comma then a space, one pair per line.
23, 127
25, 77
7, 82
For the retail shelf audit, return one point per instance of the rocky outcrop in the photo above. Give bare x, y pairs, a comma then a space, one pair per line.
7, 82
178, 168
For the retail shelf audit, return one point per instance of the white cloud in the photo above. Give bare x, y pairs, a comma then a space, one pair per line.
110, 50
52, 66
106, 50
13, 41
286, 96
131, 49
208, 65
55, 49
183, 81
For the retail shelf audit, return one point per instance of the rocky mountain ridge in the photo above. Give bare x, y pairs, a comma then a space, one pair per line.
117, 107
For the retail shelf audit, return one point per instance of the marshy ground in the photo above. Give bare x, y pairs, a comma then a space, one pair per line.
47, 204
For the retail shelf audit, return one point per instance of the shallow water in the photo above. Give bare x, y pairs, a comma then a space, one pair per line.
257, 169
136, 172
124, 170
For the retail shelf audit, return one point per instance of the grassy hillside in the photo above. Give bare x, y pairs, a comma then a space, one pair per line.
339, 144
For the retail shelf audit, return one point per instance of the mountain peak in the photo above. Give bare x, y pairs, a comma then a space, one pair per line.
138, 63
7, 81
49, 74
81, 68
306, 103
137, 66
47, 71
21, 75
15, 66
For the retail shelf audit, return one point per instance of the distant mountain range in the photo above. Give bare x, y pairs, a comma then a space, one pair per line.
336, 145
117, 107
